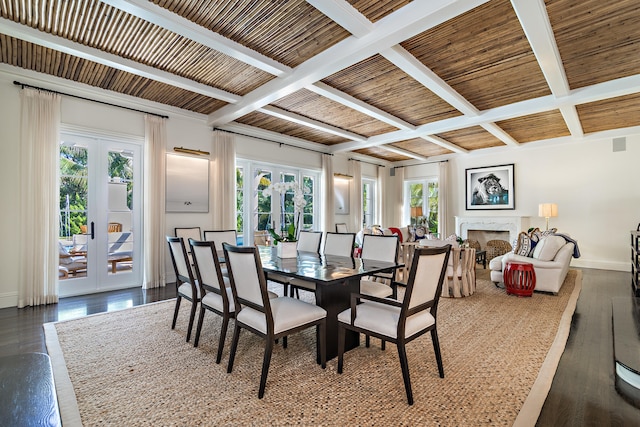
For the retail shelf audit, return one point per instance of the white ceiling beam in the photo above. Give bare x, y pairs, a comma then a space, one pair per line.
161, 17
410, 20
402, 152
34, 36
445, 144
571, 118
613, 88
535, 23
345, 15
499, 133
361, 106
408, 63
252, 131
305, 121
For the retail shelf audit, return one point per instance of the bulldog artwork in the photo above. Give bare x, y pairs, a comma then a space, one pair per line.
489, 191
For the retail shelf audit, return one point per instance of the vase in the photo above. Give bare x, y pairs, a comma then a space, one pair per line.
287, 249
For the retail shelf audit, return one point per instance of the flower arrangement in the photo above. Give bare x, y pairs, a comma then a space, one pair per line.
299, 203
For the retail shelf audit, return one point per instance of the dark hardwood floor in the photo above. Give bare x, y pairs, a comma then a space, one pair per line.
582, 393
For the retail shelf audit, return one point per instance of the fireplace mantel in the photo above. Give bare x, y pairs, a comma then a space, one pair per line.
513, 224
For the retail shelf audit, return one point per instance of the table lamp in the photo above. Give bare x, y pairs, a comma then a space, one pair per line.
416, 211
547, 210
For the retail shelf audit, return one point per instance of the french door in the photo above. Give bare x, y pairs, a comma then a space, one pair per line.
100, 214
258, 210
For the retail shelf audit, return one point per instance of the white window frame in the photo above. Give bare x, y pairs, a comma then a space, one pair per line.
425, 199
372, 199
249, 167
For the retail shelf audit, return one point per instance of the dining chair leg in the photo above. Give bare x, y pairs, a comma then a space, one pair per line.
234, 346
192, 318
223, 336
341, 338
265, 366
284, 342
436, 350
367, 341
404, 364
196, 340
383, 345
175, 312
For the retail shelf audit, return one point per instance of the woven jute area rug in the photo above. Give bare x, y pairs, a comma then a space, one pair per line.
128, 368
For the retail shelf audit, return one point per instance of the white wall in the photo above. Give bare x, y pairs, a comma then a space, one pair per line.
596, 190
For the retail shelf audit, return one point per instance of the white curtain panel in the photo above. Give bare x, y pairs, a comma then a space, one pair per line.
397, 185
155, 243
356, 196
328, 214
39, 204
223, 181
443, 210
380, 194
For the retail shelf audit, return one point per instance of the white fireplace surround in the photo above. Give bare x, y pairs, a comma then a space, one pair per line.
513, 224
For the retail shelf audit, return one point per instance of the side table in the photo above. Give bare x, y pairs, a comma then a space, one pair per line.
481, 258
519, 278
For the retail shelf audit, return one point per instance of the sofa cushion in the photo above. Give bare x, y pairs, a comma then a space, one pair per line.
548, 247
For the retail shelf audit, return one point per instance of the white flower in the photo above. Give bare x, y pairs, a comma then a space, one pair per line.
284, 187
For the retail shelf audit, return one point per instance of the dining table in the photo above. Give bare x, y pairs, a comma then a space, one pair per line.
335, 278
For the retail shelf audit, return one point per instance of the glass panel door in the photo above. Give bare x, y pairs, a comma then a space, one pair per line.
100, 190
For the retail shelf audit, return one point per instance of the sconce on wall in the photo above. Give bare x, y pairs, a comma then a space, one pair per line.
190, 151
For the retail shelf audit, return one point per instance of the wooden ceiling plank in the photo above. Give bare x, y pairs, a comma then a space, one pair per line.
406, 22
34, 36
305, 121
619, 87
336, 95
163, 18
345, 15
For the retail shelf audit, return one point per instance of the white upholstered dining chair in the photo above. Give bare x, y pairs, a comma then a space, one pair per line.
268, 318
400, 322
185, 283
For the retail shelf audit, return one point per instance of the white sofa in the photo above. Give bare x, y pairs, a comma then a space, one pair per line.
549, 274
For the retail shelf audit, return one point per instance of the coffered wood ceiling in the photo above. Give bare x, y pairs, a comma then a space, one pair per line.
391, 79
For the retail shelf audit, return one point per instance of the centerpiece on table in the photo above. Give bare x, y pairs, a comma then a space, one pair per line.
286, 241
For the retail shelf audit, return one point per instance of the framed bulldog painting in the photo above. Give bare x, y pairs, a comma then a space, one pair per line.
490, 187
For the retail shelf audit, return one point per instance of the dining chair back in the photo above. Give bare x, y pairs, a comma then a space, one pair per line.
221, 236
380, 248
188, 233
214, 288
309, 241
339, 244
400, 322
341, 227
269, 319
185, 283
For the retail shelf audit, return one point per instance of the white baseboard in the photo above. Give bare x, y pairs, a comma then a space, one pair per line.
9, 299
601, 265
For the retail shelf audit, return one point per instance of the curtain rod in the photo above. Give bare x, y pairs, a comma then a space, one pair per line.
364, 161
420, 164
23, 85
271, 140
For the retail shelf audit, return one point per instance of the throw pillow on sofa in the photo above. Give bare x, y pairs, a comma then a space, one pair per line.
524, 245
548, 247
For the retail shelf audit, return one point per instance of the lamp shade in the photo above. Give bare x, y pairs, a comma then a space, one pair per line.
416, 211
547, 210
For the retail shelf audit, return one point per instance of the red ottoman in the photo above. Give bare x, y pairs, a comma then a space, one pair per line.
519, 278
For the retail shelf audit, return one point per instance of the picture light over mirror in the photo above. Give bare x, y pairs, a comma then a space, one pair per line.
190, 151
